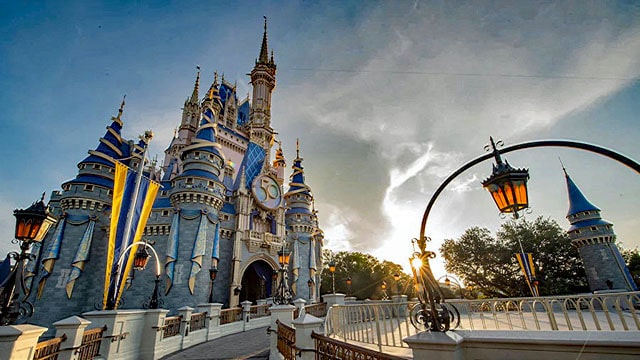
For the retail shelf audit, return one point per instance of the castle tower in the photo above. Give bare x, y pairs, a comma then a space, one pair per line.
595, 240
71, 277
185, 132
263, 80
304, 237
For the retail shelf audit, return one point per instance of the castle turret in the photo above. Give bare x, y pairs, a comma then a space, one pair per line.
186, 131
595, 240
263, 80
301, 223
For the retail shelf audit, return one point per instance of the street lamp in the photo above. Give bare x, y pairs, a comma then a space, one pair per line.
310, 285
32, 225
283, 295
332, 269
507, 185
396, 277
140, 261
213, 272
447, 282
432, 313
349, 281
384, 290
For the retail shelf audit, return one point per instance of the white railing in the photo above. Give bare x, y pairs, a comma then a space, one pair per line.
611, 312
380, 323
387, 323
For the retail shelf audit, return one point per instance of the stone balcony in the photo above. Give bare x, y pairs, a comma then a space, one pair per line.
255, 240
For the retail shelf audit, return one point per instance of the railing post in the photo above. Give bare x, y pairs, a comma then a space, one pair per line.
19, 341
185, 312
283, 313
212, 321
73, 327
151, 343
299, 304
305, 324
333, 299
246, 315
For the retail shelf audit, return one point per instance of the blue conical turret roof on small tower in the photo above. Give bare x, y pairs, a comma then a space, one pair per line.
595, 240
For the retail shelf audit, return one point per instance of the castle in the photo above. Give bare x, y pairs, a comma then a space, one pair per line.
221, 205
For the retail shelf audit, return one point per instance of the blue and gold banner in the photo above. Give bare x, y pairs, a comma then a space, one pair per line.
172, 251
529, 271
82, 256
124, 206
198, 251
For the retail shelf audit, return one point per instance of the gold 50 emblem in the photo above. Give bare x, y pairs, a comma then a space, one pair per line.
266, 191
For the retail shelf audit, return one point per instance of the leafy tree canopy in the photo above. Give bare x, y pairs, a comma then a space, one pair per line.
489, 265
367, 274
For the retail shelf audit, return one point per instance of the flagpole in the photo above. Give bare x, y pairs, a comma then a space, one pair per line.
148, 135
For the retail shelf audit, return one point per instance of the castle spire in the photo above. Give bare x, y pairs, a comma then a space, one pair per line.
577, 201
264, 49
194, 95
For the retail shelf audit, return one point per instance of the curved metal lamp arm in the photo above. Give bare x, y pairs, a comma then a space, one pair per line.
526, 145
155, 254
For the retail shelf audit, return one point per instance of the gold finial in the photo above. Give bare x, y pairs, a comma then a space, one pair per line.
297, 148
215, 78
121, 107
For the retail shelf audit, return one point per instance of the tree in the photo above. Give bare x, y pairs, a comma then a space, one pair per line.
367, 274
489, 265
632, 259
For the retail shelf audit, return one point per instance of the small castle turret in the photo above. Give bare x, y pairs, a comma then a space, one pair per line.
595, 240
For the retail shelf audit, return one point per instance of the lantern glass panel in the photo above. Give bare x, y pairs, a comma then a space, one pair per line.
521, 193
447, 282
499, 198
508, 190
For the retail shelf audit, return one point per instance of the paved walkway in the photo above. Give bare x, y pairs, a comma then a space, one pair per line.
252, 344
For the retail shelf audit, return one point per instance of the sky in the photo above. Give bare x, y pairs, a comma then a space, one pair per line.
387, 98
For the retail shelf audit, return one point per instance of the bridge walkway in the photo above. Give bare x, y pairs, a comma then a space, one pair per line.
251, 344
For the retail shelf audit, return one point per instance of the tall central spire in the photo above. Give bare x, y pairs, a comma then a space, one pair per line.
194, 95
264, 49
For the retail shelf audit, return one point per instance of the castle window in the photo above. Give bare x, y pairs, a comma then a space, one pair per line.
189, 181
197, 154
593, 228
109, 192
88, 187
96, 166
165, 212
163, 193
210, 184
112, 170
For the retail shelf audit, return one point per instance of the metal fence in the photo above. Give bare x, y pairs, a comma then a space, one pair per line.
258, 311
611, 312
327, 348
197, 321
171, 326
286, 341
230, 315
381, 324
386, 323
90, 343
49, 349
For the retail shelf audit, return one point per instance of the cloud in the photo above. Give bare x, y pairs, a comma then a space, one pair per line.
424, 87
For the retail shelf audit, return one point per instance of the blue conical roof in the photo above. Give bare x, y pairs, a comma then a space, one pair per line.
577, 201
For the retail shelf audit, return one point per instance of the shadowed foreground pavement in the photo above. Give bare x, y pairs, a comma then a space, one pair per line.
252, 344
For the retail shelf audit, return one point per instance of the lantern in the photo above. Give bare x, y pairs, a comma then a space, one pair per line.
283, 256
141, 258
507, 185
33, 223
332, 266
